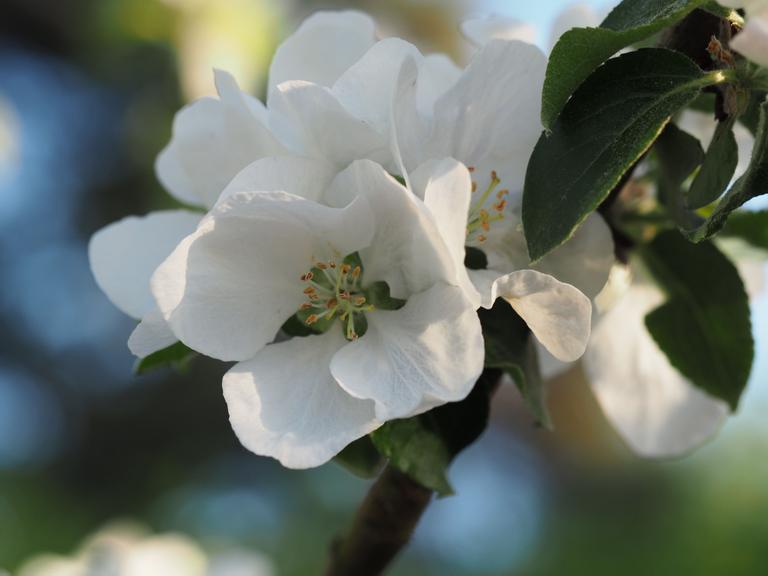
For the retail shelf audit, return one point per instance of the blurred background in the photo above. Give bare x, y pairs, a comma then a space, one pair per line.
88, 90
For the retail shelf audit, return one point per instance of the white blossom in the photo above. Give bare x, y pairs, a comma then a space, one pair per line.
127, 550
268, 250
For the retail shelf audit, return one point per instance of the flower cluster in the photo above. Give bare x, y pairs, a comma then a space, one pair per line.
330, 257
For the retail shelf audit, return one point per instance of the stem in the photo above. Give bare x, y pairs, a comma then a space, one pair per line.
382, 527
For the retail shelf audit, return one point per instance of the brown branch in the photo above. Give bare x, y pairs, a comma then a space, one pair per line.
383, 525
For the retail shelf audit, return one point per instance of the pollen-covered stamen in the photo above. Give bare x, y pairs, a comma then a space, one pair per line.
333, 291
483, 213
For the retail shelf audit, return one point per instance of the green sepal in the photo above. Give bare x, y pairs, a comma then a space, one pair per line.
177, 356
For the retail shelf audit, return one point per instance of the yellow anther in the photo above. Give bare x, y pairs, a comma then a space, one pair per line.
481, 238
306, 306
495, 176
356, 272
307, 277
311, 319
344, 295
345, 268
474, 186
359, 300
331, 303
499, 207
502, 194
322, 265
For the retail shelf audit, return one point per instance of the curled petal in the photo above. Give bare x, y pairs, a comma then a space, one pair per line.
558, 314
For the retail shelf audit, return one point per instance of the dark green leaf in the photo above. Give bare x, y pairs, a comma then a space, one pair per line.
678, 155
510, 347
751, 227
752, 184
751, 116
581, 50
718, 168
177, 356
361, 458
607, 126
424, 446
704, 327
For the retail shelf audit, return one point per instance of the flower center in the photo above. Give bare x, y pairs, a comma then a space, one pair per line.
334, 292
486, 209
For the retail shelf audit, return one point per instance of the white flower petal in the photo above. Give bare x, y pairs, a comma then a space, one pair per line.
558, 314
212, 141
284, 403
584, 261
323, 48
429, 352
652, 406
446, 188
480, 31
151, 335
407, 251
229, 287
124, 255
367, 89
304, 177
494, 108
437, 74
316, 124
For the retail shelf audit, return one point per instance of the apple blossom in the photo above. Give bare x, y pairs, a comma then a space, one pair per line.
752, 41
126, 550
268, 251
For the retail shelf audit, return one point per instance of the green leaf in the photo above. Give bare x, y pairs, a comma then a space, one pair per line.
752, 184
510, 347
361, 458
424, 446
704, 327
718, 168
678, 154
581, 50
751, 116
752, 227
607, 126
177, 356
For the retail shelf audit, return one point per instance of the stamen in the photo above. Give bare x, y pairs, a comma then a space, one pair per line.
312, 319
